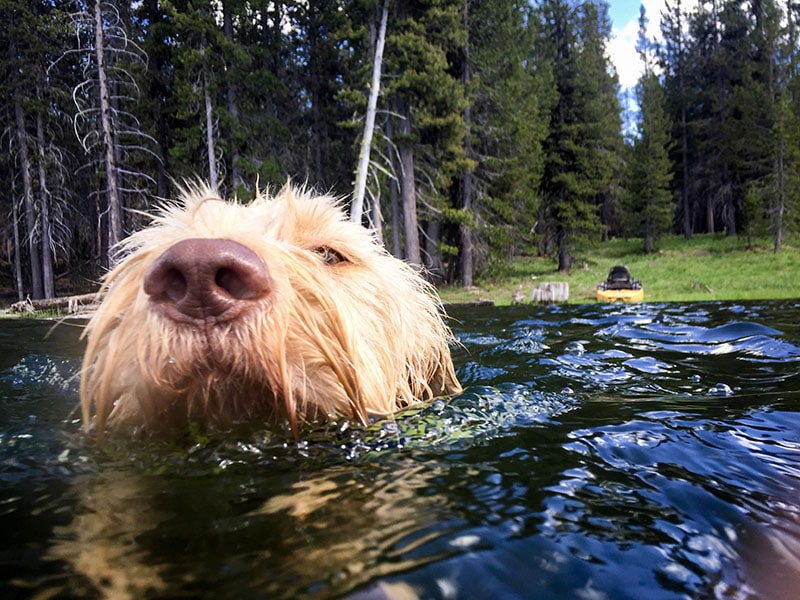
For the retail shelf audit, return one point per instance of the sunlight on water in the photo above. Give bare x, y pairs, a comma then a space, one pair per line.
598, 451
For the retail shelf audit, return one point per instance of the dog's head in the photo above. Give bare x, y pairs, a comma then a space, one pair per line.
281, 308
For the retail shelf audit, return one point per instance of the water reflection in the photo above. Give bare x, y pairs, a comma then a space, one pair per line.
598, 451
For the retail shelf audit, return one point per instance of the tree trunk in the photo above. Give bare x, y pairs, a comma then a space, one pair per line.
434, 262
357, 206
685, 202
48, 277
710, 215
729, 216
28, 204
231, 98
467, 266
377, 221
316, 133
17, 251
409, 203
394, 194
465, 232
213, 175
408, 189
397, 220
728, 204
107, 123
564, 258
155, 66
649, 238
780, 209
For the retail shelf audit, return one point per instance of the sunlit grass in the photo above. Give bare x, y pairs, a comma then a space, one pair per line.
50, 313
707, 267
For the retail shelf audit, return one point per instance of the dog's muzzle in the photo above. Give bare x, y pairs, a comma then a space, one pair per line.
206, 281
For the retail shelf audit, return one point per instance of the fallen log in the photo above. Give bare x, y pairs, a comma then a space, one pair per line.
554, 291
67, 304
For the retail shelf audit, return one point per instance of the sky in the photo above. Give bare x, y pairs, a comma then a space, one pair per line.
625, 19
622, 48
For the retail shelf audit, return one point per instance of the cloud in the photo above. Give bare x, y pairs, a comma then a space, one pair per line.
622, 46
622, 51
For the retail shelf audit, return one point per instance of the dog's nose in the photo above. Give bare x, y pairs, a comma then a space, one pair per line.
209, 280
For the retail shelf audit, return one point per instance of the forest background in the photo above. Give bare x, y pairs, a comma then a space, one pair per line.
499, 130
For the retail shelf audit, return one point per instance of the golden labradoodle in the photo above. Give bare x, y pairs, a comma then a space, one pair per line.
276, 310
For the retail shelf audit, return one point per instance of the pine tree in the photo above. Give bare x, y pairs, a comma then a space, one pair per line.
154, 106
603, 113
783, 191
110, 133
674, 54
269, 132
722, 89
722, 55
650, 169
508, 112
583, 146
196, 99
427, 98
35, 35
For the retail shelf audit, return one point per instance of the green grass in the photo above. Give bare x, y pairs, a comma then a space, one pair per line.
707, 267
39, 314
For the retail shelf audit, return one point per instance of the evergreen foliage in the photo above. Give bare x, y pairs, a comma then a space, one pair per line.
508, 120
497, 130
650, 169
583, 144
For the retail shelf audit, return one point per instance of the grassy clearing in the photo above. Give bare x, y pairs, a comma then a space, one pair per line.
707, 267
39, 314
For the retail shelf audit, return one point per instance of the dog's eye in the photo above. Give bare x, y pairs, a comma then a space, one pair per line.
330, 256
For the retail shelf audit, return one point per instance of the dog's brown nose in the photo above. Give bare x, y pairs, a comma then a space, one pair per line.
208, 280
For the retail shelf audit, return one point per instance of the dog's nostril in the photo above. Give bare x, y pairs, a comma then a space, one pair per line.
200, 278
234, 283
173, 285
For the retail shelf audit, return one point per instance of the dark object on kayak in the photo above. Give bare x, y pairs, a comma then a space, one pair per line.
619, 278
620, 286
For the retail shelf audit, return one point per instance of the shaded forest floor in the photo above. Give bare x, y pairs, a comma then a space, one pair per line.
705, 268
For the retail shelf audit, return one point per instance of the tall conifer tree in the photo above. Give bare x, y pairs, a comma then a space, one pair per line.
509, 112
427, 98
584, 140
650, 169
674, 54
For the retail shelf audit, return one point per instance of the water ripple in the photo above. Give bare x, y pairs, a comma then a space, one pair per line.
598, 451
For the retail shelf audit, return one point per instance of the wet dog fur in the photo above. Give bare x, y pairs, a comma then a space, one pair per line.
279, 310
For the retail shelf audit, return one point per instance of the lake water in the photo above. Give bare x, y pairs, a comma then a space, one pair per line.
599, 451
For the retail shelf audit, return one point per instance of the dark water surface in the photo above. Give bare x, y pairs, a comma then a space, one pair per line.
599, 451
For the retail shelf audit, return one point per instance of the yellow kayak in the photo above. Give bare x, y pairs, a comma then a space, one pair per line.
620, 295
